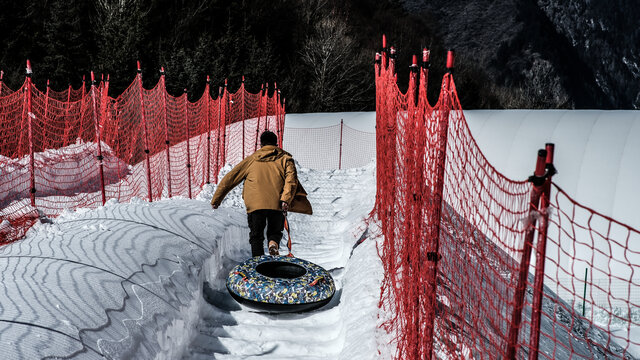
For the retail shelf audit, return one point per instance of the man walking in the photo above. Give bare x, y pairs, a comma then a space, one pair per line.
271, 188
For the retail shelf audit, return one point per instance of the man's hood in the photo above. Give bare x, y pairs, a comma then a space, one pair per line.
270, 153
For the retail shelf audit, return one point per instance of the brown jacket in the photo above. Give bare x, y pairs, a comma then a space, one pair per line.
270, 177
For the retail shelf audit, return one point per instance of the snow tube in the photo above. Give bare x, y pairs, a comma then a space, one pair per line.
280, 284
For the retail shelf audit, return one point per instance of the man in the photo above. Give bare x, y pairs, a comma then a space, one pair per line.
271, 188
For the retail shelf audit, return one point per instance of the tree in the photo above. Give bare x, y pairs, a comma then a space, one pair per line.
336, 82
123, 36
65, 43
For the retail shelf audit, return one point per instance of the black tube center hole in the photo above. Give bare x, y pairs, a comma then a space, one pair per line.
280, 269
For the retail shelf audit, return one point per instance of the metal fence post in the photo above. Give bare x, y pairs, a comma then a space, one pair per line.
435, 228
146, 133
30, 117
186, 124
523, 273
243, 117
260, 94
218, 132
340, 152
94, 113
208, 98
538, 287
167, 143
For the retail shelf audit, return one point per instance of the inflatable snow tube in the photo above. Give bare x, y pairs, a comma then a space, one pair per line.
280, 284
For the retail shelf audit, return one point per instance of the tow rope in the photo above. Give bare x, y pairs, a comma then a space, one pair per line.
286, 226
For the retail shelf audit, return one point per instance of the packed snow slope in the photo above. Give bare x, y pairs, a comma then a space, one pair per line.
126, 281
344, 328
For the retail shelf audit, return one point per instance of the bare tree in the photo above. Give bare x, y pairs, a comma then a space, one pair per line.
336, 78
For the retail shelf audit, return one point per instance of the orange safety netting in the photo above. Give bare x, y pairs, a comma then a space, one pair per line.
462, 242
71, 149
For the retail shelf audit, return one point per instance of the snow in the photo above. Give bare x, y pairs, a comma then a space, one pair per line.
341, 200
57, 169
127, 280
143, 280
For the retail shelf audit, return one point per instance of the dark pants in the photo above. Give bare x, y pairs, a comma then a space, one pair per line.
273, 220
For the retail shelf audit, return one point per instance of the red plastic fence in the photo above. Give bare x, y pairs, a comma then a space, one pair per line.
331, 147
77, 148
465, 247
605, 307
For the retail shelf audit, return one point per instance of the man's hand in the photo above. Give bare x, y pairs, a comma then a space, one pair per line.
285, 207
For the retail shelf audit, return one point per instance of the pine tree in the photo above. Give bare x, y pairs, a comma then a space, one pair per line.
65, 43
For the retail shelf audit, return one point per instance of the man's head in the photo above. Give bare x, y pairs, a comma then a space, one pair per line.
268, 138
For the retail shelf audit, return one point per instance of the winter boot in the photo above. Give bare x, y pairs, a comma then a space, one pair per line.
273, 248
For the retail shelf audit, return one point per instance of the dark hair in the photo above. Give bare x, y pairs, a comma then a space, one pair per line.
268, 138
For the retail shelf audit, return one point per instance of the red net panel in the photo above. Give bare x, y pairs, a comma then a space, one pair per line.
246, 123
17, 214
4, 89
70, 149
483, 223
68, 95
602, 312
462, 272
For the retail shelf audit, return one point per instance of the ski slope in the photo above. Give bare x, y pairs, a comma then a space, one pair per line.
146, 280
341, 200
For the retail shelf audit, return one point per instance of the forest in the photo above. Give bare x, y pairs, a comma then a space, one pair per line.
319, 52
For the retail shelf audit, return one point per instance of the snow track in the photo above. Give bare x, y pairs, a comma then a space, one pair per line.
230, 331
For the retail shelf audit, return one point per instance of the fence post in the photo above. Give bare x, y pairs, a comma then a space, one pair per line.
385, 54
208, 97
218, 132
102, 120
538, 287
413, 73
82, 109
276, 112
340, 152
94, 113
243, 117
186, 124
392, 63
30, 117
424, 72
523, 273
434, 234
65, 136
84, 92
584, 294
146, 134
225, 98
46, 103
266, 107
260, 94
279, 118
1, 81
167, 143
